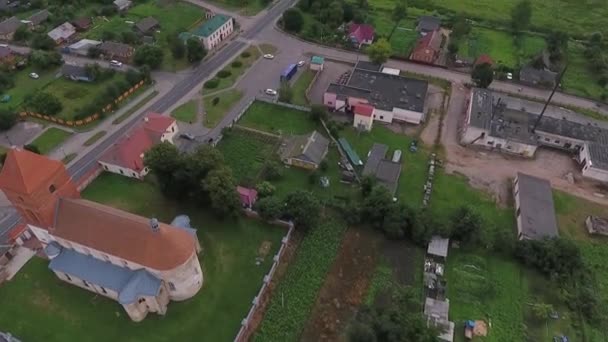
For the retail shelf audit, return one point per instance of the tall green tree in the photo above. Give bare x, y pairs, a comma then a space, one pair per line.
196, 51
380, 51
43, 103
8, 119
293, 20
521, 16
303, 208
221, 188
482, 75
270, 208
149, 55
467, 226
164, 160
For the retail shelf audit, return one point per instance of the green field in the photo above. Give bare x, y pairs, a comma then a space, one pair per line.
173, 17
579, 78
76, 95
276, 119
299, 87
214, 113
246, 153
25, 85
186, 112
50, 139
35, 303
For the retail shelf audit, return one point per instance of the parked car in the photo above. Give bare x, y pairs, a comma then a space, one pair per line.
34, 75
509, 76
271, 92
268, 56
116, 64
301, 63
187, 136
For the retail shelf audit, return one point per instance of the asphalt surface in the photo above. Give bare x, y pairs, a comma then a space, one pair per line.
88, 161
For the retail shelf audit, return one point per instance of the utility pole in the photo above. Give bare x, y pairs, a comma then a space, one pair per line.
557, 83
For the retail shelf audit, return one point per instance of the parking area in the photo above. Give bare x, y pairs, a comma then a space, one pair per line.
330, 74
21, 134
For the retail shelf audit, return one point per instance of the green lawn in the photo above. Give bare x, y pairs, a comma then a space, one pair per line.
76, 95
500, 46
246, 153
173, 16
404, 37
186, 112
252, 52
579, 78
50, 139
94, 138
25, 85
214, 113
248, 8
300, 85
35, 303
277, 119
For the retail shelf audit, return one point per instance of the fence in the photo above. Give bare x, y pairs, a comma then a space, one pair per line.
246, 327
89, 119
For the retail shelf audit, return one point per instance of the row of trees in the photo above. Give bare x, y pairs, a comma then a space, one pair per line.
202, 177
193, 50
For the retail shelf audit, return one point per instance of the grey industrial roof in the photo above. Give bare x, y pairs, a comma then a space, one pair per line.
536, 207
428, 23
63, 31
532, 75
481, 108
39, 17
438, 246
598, 153
383, 91
114, 48
146, 24
369, 66
376, 154
388, 174
84, 43
10, 25
436, 308
311, 147
129, 284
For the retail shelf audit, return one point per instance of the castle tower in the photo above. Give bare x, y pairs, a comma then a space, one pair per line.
33, 184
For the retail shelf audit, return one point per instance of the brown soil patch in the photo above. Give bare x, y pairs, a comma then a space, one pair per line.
345, 286
481, 328
264, 248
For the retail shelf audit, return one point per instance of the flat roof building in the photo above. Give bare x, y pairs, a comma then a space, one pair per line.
534, 209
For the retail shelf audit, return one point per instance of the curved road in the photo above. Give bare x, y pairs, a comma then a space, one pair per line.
85, 163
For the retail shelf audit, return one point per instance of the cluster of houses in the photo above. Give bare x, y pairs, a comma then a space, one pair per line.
493, 124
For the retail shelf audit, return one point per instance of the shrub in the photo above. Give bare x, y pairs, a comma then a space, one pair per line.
212, 83
245, 54
224, 73
215, 101
237, 64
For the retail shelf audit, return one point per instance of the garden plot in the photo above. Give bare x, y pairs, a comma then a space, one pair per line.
246, 151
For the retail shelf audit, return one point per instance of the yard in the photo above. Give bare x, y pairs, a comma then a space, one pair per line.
277, 119
246, 152
50, 139
215, 111
25, 85
186, 112
300, 85
174, 17
36, 302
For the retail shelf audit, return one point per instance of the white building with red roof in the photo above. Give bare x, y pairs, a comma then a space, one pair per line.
364, 116
126, 157
139, 262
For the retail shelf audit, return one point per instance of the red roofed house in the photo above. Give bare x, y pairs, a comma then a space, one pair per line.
139, 262
428, 48
126, 157
361, 34
484, 59
364, 116
248, 196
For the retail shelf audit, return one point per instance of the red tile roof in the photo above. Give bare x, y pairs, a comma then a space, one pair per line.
25, 171
248, 196
361, 32
427, 47
157, 122
364, 109
484, 59
122, 234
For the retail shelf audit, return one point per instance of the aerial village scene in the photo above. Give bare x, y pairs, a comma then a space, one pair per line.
303, 170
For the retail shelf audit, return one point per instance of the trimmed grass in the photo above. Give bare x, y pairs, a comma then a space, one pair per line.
50, 139
36, 302
173, 17
579, 79
300, 85
25, 85
235, 72
268, 48
404, 38
246, 153
277, 119
68, 158
135, 108
76, 95
215, 113
93, 139
186, 112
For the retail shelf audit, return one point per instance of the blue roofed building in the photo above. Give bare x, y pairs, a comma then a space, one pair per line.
212, 32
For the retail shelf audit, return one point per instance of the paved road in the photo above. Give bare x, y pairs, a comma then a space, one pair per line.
203, 71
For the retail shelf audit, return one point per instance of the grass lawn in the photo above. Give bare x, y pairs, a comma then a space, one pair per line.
300, 85
277, 119
500, 46
50, 139
36, 302
215, 113
68, 158
94, 138
579, 78
186, 112
246, 153
252, 53
25, 85
76, 95
404, 38
174, 16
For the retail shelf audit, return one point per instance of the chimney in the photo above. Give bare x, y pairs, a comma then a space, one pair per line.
154, 225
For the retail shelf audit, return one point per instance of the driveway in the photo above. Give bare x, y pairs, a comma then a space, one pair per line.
330, 74
21, 134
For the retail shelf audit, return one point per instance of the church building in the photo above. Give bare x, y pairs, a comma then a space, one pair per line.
139, 262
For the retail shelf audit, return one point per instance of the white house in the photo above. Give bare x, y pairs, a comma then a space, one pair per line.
593, 158
213, 31
126, 157
139, 262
